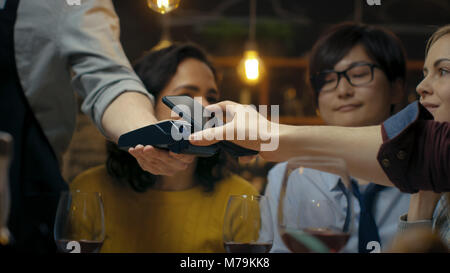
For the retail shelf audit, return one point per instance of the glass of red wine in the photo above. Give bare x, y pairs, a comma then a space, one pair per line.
247, 226
79, 224
309, 219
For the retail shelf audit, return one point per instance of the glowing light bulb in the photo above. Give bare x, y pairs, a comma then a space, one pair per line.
250, 67
163, 6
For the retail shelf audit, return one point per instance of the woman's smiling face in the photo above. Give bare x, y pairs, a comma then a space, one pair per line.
193, 78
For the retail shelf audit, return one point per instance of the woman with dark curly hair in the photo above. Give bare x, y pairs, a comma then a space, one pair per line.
179, 213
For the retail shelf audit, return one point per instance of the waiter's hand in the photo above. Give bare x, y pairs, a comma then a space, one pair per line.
130, 111
160, 162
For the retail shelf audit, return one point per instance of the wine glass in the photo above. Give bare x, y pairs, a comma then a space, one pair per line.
309, 220
79, 223
248, 224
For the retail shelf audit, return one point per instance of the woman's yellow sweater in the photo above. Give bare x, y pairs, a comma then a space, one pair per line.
161, 221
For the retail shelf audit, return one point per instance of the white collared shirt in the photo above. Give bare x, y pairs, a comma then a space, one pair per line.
389, 203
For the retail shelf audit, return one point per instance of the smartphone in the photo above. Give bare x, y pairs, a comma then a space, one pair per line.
188, 109
192, 111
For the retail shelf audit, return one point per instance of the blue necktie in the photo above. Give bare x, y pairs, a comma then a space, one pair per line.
368, 230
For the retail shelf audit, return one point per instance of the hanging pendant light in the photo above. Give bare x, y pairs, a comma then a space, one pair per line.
251, 68
163, 6
165, 40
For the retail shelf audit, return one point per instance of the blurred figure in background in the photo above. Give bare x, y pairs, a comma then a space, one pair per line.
358, 77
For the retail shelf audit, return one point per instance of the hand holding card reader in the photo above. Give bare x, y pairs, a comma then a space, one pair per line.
173, 134
161, 135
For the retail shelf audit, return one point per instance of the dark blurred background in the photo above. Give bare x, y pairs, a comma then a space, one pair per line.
284, 27
285, 31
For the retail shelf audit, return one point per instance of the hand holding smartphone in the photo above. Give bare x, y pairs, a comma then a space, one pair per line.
192, 111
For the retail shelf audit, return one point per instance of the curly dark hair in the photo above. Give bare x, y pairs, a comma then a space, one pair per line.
156, 69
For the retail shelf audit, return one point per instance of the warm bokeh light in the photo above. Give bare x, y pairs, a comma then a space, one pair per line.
162, 44
163, 6
250, 68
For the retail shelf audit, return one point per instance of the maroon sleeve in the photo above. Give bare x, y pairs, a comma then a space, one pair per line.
418, 158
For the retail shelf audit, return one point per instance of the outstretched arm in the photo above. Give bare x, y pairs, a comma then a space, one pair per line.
409, 150
358, 146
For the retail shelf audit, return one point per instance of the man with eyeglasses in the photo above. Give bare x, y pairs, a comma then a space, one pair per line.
358, 76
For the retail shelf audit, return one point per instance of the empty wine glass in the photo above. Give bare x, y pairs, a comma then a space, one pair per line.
308, 219
79, 223
248, 225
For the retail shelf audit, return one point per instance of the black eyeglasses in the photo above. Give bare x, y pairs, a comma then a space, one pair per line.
357, 74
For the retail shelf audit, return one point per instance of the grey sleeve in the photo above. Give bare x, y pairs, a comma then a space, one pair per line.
404, 225
89, 39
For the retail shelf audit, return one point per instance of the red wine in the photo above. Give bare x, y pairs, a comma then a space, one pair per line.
85, 246
293, 244
231, 247
334, 240
300, 240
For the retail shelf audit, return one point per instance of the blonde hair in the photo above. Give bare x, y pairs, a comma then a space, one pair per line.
439, 33
442, 31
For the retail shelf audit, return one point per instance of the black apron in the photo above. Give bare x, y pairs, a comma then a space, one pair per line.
35, 177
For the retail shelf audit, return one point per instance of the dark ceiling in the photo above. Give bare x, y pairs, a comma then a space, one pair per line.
284, 27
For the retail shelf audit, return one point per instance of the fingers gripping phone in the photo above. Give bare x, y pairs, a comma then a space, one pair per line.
192, 111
